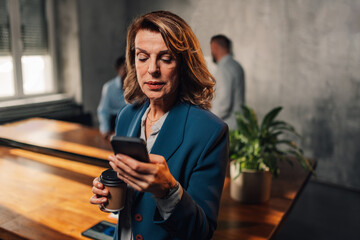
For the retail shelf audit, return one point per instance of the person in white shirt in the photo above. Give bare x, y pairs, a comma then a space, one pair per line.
230, 81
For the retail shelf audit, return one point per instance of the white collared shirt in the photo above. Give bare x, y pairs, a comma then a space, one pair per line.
155, 129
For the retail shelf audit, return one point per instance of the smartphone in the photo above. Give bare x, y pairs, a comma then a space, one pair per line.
131, 146
101, 231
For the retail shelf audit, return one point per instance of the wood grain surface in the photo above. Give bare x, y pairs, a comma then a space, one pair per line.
238, 221
45, 197
58, 138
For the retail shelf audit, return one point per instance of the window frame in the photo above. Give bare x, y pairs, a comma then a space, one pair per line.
17, 51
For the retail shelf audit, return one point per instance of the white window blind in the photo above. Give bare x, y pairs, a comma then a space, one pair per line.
33, 27
4, 29
26, 49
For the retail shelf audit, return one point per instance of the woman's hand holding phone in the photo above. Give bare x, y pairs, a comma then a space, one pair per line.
142, 171
153, 176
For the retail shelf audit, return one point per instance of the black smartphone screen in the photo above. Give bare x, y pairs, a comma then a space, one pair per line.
131, 146
101, 231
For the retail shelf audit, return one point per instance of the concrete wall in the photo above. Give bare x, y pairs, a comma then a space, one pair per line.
102, 40
68, 49
302, 55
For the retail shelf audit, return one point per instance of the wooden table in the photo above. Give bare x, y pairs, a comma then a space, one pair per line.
45, 197
238, 221
50, 198
57, 138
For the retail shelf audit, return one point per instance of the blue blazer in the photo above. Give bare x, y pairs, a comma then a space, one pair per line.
195, 144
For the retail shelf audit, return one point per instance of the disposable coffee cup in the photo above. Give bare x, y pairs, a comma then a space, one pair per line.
117, 190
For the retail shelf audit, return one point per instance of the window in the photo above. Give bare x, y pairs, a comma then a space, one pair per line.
26, 49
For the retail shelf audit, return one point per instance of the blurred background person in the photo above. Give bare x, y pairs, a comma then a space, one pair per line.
230, 81
112, 99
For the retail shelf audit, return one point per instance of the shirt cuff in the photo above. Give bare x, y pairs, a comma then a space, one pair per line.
166, 206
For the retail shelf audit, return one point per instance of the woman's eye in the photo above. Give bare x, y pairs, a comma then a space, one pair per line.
142, 58
166, 59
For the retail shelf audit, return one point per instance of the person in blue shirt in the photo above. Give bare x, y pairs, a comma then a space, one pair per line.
112, 99
176, 195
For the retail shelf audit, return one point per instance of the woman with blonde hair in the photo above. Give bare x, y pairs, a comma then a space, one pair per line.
177, 194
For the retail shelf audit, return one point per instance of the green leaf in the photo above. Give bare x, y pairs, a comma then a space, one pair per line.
251, 117
288, 128
289, 143
304, 162
243, 126
270, 161
269, 118
274, 134
279, 124
254, 148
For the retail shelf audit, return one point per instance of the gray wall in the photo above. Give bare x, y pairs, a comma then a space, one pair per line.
102, 39
68, 50
302, 55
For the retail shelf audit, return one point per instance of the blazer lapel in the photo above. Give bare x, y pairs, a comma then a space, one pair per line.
135, 126
171, 134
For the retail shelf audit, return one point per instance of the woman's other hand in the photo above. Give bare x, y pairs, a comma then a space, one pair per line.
100, 194
153, 177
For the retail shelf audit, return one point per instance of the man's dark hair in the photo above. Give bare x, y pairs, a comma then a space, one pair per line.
223, 41
119, 62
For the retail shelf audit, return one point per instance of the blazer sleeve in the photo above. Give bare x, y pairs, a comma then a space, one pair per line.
195, 216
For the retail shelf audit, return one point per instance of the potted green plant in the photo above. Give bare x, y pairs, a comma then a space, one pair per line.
255, 150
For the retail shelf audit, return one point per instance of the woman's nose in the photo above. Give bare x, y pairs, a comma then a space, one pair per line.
153, 67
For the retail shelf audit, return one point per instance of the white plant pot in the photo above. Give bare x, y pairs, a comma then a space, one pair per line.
250, 186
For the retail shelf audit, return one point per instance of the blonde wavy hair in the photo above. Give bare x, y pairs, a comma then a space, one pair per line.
196, 84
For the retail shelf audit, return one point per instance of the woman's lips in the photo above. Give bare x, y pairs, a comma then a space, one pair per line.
154, 85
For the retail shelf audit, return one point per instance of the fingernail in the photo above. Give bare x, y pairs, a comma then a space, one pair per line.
104, 192
99, 185
112, 164
104, 200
